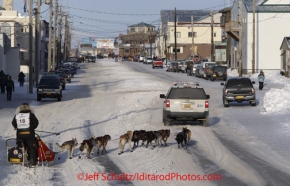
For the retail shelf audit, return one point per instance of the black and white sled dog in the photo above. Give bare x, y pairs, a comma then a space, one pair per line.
88, 145
182, 138
125, 138
69, 146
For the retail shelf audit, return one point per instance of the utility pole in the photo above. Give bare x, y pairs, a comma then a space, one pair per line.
59, 38
54, 34
175, 35
254, 37
165, 50
212, 42
150, 44
192, 35
37, 41
49, 37
30, 48
65, 39
240, 40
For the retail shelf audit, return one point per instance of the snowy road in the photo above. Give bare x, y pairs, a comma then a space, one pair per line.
111, 98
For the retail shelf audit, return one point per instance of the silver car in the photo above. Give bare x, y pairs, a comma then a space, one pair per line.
149, 60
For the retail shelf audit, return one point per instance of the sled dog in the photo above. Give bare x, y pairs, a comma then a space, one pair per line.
88, 145
164, 135
188, 134
181, 138
102, 141
125, 138
69, 146
137, 136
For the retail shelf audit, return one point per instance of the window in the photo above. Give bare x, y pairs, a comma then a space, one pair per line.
133, 29
178, 35
190, 34
214, 34
178, 50
126, 50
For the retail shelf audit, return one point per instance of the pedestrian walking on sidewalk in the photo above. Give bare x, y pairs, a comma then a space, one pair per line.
9, 88
261, 78
21, 79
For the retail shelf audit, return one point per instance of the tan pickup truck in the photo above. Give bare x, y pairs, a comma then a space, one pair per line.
157, 63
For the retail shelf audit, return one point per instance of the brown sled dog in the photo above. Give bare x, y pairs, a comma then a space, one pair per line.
164, 135
188, 134
125, 138
102, 141
69, 146
88, 145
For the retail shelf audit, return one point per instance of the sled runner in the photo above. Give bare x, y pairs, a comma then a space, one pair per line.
18, 154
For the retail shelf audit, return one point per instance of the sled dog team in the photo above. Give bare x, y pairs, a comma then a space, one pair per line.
182, 139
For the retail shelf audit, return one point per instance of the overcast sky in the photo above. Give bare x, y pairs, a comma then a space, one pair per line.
108, 18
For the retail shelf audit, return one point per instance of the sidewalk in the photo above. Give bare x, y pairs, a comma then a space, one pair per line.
19, 96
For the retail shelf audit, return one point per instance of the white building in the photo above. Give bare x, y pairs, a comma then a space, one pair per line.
272, 25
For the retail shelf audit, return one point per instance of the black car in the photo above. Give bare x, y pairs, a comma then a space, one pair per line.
61, 75
49, 86
239, 90
217, 73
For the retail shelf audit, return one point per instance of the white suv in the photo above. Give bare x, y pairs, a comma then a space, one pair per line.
201, 69
185, 101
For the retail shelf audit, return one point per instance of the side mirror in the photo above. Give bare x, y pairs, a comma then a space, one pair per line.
162, 96
207, 96
222, 83
253, 82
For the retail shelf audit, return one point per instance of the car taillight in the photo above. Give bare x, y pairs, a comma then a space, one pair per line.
167, 103
253, 91
226, 91
206, 104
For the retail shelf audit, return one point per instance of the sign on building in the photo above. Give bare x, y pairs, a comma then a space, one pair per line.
105, 43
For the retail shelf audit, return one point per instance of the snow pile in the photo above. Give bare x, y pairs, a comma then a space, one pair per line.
277, 100
232, 73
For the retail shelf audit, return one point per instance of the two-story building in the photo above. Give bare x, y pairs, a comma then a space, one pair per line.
139, 40
192, 37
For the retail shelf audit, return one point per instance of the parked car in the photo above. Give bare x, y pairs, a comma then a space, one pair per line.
49, 86
167, 66
217, 72
67, 74
185, 101
176, 66
201, 69
239, 90
61, 75
148, 60
141, 59
91, 59
195, 66
184, 66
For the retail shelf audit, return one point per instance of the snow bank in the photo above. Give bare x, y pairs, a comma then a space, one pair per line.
277, 100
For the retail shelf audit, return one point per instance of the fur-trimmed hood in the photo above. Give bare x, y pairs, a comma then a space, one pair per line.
24, 109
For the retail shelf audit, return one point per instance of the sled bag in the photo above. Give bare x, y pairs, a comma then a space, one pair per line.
44, 153
15, 155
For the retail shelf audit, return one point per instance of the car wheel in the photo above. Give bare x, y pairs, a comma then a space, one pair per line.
226, 103
59, 98
220, 73
225, 79
69, 81
205, 122
38, 98
253, 103
63, 87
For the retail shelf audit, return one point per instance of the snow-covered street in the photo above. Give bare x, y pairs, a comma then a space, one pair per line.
111, 98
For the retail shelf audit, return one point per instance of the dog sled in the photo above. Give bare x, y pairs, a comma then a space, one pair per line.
18, 154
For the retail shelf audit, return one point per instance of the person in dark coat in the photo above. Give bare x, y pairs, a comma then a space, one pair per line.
2, 81
25, 122
21, 79
9, 88
188, 69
